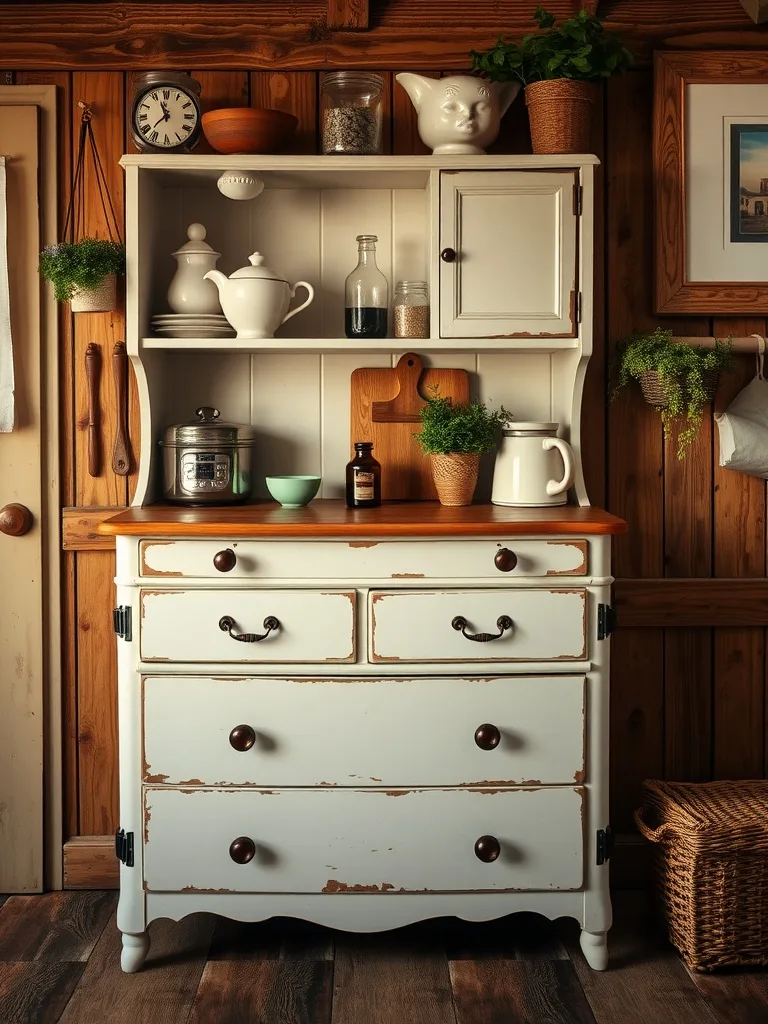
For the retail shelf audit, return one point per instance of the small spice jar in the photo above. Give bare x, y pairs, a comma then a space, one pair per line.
352, 113
363, 478
411, 310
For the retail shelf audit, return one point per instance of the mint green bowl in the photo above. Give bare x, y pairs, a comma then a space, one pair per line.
293, 491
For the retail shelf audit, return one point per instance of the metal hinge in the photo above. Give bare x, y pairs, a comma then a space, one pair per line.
124, 847
604, 844
577, 307
606, 621
121, 621
578, 199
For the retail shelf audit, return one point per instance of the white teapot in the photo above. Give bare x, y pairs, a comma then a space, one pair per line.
458, 114
255, 300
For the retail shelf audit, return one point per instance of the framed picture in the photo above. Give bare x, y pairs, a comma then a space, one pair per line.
711, 182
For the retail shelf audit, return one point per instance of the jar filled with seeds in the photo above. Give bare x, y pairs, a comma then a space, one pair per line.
411, 310
352, 113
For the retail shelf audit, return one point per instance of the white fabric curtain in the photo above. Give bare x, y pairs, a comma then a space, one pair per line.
6, 344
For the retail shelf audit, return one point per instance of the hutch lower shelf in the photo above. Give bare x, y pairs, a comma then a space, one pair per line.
363, 719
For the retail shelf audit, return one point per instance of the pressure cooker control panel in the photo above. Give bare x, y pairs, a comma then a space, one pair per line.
205, 471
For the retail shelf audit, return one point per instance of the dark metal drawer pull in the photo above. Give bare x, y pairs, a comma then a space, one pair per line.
227, 624
503, 623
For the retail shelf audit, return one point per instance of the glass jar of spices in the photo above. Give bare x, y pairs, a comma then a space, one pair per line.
363, 478
411, 310
352, 113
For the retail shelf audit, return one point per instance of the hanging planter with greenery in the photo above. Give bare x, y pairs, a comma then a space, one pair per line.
678, 379
74, 267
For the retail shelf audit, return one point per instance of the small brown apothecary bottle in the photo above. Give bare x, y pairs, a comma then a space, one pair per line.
363, 478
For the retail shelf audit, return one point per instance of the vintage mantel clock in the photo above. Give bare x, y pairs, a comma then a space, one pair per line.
166, 112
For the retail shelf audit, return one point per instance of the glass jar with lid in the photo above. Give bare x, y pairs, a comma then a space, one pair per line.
411, 310
352, 113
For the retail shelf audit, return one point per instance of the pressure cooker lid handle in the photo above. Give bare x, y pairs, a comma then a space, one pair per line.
207, 412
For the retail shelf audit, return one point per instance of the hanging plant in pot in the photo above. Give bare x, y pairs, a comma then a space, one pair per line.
677, 378
559, 66
84, 273
455, 436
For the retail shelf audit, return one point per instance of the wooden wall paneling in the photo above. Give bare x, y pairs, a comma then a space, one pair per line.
739, 550
692, 603
405, 133
634, 445
295, 92
350, 14
69, 634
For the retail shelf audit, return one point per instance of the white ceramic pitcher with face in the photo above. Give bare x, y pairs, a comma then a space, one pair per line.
534, 467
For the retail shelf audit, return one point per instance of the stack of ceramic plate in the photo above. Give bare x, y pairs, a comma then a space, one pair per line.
191, 325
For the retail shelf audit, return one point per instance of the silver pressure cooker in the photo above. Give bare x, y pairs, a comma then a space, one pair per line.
207, 461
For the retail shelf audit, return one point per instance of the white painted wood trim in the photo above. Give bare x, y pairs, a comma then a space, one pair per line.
268, 162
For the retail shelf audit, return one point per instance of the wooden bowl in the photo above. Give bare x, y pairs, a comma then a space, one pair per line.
248, 129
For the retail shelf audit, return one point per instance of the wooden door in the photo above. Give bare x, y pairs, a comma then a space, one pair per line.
513, 234
21, 540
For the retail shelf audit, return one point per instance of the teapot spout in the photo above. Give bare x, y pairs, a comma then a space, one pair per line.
217, 277
417, 86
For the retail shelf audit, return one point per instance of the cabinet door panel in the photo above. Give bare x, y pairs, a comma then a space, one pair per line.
515, 272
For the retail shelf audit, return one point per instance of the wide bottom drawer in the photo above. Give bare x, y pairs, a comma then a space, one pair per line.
352, 841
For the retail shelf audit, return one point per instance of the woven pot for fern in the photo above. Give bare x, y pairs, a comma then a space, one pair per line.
560, 115
655, 393
455, 477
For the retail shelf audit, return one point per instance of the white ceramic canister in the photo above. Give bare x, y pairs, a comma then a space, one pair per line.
189, 292
534, 467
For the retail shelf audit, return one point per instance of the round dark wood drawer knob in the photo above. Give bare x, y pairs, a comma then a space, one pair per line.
242, 850
487, 849
448, 255
487, 736
242, 738
225, 561
15, 520
505, 560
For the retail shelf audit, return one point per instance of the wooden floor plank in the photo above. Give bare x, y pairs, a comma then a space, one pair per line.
163, 991
276, 939
738, 997
55, 926
390, 979
266, 992
36, 993
519, 991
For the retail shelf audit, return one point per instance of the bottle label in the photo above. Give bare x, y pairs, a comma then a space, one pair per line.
363, 485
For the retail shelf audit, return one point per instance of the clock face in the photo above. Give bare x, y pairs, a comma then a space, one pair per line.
166, 117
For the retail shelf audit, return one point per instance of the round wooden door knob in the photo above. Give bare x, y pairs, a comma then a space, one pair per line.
242, 850
505, 560
15, 520
242, 738
487, 849
225, 561
487, 736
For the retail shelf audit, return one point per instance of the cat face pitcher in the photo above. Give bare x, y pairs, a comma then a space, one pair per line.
459, 114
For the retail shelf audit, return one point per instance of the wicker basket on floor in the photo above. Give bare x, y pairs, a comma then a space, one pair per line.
711, 868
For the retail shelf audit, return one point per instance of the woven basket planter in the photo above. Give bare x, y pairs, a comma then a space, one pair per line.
102, 298
560, 113
655, 393
455, 477
711, 864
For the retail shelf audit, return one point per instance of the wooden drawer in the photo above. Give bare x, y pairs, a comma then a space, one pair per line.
363, 559
184, 625
418, 625
348, 841
358, 732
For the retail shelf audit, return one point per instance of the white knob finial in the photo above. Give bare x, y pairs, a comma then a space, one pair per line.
257, 259
196, 232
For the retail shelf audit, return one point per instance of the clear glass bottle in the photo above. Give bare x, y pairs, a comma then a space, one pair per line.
352, 113
411, 310
363, 478
366, 294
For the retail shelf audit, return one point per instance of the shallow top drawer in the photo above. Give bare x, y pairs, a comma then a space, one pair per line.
416, 559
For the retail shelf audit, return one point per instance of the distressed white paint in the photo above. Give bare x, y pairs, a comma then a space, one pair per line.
372, 560
323, 840
416, 625
314, 730
183, 625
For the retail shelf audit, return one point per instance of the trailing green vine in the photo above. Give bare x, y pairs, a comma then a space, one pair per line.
70, 266
468, 429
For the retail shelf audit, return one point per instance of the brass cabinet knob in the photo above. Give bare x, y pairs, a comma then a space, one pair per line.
242, 850
487, 849
225, 561
505, 560
487, 736
242, 738
15, 520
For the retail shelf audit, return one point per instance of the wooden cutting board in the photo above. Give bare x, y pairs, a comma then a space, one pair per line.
385, 404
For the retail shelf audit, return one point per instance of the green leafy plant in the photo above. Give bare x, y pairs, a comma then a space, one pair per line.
578, 48
682, 371
448, 429
84, 264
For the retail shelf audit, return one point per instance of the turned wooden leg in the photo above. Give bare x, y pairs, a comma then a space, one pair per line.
594, 946
135, 949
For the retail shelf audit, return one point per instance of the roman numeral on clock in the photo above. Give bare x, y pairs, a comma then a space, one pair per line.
153, 137
145, 129
155, 97
166, 94
187, 127
189, 117
187, 104
166, 140
142, 117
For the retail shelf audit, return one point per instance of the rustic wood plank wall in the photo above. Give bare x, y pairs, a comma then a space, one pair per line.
689, 696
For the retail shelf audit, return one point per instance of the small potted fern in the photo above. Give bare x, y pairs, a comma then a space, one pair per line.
677, 378
84, 273
455, 436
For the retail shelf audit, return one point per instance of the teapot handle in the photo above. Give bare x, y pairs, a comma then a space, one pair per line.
293, 312
559, 486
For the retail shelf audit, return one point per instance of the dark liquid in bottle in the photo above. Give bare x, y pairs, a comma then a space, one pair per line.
365, 322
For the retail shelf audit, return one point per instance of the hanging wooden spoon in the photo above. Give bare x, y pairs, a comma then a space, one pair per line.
121, 459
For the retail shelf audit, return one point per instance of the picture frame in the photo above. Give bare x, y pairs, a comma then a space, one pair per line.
710, 165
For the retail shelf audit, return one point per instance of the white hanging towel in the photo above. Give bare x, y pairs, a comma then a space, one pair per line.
6, 344
743, 427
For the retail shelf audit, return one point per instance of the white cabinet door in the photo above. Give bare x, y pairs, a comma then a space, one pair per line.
515, 268
349, 841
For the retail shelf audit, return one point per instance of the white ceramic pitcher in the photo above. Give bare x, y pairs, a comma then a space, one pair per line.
534, 467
